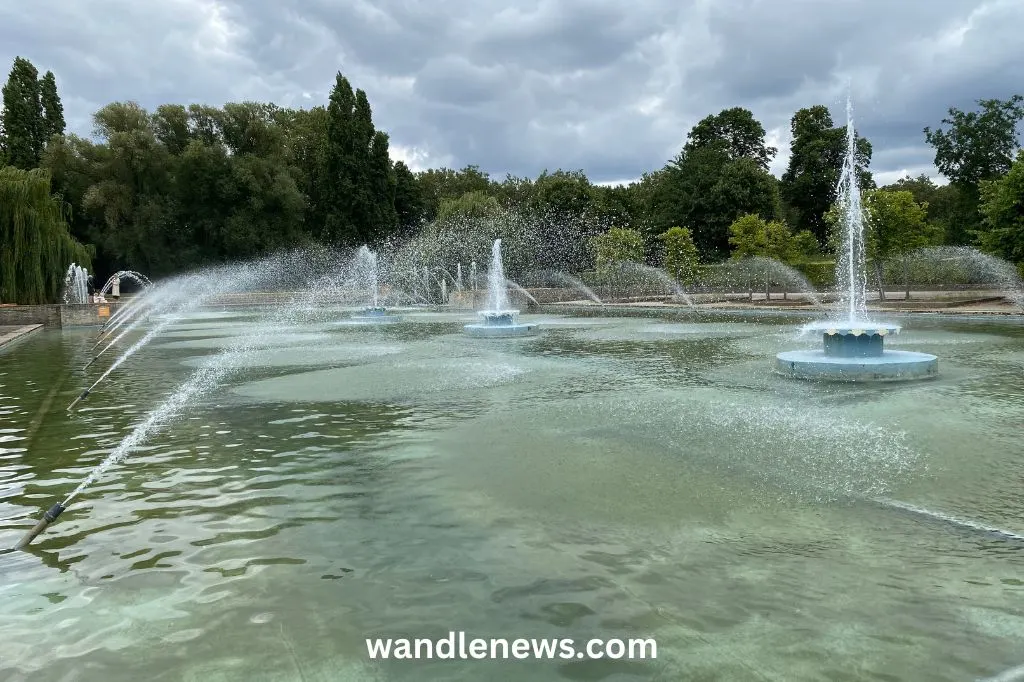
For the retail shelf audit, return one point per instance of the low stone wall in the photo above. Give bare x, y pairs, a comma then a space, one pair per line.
17, 315
87, 314
57, 315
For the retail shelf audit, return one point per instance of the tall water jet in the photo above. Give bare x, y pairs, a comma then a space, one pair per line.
499, 319
368, 277
76, 285
852, 345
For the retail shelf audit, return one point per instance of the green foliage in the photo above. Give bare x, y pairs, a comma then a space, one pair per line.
475, 204
562, 194
736, 132
35, 246
681, 256
22, 118
821, 274
977, 146
895, 224
751, 235
805, 246
707, 190
53, 110
720, 174
942, 203
1002, 205
441, 183
408, 199
617, 245
809, 185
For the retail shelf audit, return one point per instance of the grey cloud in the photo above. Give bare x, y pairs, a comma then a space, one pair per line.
603, 85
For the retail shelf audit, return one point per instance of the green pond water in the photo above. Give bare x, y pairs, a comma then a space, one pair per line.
614, 477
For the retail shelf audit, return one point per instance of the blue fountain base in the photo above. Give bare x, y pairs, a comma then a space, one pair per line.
375, 316
498, 324
494, 331
891, 365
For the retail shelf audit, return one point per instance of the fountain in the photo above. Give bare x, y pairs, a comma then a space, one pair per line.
368, 274
853, 346
499, 319
76, 285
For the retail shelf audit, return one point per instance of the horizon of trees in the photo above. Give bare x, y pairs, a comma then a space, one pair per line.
184, 186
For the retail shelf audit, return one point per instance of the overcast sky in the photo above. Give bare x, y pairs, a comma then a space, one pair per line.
607, 86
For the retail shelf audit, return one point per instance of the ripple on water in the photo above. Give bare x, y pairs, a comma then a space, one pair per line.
306, 355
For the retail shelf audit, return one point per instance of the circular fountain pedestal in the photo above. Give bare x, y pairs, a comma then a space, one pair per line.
856, 354
375, 315
499, 323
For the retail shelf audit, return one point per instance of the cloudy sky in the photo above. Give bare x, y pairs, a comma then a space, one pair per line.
607, 86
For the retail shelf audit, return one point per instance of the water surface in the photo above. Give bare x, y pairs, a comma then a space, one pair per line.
613, 477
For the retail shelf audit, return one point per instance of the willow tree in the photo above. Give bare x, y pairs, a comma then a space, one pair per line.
35, 245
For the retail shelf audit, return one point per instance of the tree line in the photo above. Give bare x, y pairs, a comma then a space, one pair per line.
183, 186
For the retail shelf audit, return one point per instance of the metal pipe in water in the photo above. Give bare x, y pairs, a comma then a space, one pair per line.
84, 395
49, 517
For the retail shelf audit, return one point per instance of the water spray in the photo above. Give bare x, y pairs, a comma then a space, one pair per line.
202, 380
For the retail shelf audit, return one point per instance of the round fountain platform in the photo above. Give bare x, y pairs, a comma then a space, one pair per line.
376, 315
499, 324
891, 365
855, 351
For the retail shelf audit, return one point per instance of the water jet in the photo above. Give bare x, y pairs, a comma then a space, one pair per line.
499, 319
368, 271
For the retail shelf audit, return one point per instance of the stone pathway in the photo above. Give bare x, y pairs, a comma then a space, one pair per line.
9, 333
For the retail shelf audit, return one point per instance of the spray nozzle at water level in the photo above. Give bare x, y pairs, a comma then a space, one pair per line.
84, 395
49, 517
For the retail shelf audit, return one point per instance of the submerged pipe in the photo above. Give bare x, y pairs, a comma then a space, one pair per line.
49, 517
84, 395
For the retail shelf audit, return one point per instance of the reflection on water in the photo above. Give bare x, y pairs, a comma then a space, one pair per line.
611, 477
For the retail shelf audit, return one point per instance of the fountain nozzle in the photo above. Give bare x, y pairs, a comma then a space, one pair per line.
84, 395
49, 517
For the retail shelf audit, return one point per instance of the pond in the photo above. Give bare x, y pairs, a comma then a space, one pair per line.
618, 475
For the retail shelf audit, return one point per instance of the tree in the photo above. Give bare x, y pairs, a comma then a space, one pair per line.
562, 194
977, 146
617, 245
444, 183
408, 199
895, 226
339, 188
707, 190
805, 245
35, 246
1002, 206
941, 201
754, 237
735, 131
53, 110
382, 184
681, 255
809, 185
22, 119
475, 204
